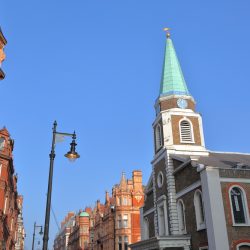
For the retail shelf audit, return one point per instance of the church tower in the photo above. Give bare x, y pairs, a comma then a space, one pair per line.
178, 133
177, 125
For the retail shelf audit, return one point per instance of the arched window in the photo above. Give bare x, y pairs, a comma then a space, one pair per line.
238, 205
158, 137
181, 216
186, 131
161, 221
243, 246
199, 210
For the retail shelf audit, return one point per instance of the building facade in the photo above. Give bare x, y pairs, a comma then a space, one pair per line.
117, 222
20, 233
9, 209
79, 234
62, 238
195, 198
3, 42
110, 226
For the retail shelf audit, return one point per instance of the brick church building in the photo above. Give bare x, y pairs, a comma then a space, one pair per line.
195, 198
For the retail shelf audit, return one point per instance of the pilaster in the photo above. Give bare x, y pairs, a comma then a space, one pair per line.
172, 206
214, 209
155, 204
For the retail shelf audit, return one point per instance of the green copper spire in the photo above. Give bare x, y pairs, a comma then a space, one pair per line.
172, 82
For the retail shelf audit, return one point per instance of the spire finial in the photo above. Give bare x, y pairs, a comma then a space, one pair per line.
167, 30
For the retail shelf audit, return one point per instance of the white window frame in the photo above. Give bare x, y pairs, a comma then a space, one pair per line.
181, 215
245, 206
123, 220
2, 144
125, 201
243, 244
1, 166
161, 203
199, 224
191, 130
119, 221
5, 205
158, 137
145, 228
160, 179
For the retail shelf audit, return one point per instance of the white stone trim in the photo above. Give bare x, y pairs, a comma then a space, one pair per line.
191, 130
172, 207
188, 189
159, 156
183, 165
161, 202
151, 210
201, 132
160, 179
239, 180
181, 215
222, 152
242, 244
155, 205
214, 209
245, 206
199, 223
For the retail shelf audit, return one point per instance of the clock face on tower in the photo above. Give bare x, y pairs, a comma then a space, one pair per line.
182, 103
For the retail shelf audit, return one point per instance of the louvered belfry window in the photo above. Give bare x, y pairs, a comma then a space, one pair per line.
186, 131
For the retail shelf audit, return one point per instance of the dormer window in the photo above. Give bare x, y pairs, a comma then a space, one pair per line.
158, 137
186, 131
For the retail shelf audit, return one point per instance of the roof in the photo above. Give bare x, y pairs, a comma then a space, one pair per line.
226, 160
84, 214
172, 82
221, 160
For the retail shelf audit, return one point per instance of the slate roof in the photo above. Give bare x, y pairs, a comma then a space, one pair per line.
221, 160
226, 160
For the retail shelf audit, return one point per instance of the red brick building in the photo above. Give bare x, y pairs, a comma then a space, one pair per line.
20, 234
3, 42
75, 232
117, 222
110, 226
79, 233
9, 209
62, 238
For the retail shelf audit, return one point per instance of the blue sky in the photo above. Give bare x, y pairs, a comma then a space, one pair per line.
95, 67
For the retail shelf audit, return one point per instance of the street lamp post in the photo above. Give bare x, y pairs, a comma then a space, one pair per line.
34, 233
71, 155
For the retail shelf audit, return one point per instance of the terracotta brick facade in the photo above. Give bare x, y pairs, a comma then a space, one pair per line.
3, 42
9, 199
117, 222
110, 226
